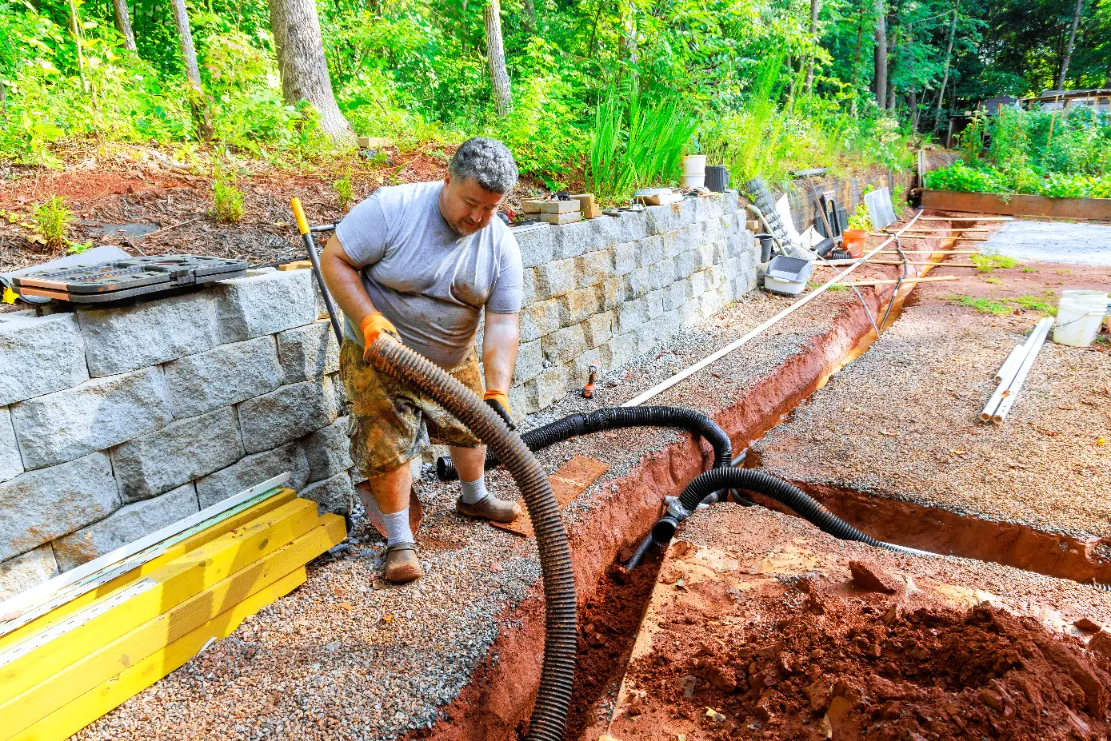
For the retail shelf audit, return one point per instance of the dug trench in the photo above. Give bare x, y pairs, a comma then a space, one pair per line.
495, 704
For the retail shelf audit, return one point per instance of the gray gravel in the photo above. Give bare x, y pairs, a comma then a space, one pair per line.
324, 662
1056, 241
902, 421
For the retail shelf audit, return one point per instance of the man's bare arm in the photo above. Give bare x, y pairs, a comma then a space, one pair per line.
344, 282
499, 349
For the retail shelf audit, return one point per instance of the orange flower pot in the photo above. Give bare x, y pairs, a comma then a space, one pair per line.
854, 240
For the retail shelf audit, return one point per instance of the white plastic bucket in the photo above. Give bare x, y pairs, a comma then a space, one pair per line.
1079, 317
1073, 292
694, 181
694, 164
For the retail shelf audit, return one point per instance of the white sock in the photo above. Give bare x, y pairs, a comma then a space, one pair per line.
397, 527
474, 491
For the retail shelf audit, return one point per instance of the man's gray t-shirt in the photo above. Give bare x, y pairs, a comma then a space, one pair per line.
426, 279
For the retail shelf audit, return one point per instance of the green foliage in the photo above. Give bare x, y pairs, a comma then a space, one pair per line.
860, 218
51, 221
1044, 304
983, 305
636, 143
344, 192
227, 200
985, 263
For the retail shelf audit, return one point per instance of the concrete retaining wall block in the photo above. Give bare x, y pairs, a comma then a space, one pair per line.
572, 240
252, 470
551, 385
579, 304
265, 304
176, 454
308, 352
39, 355
224, 376
624, 258
11, 465
127, 524
95, 415
554, 278
536, 244
599, 328
286, 414
593, 267
327, 451
565, 344
335, 494
27, 570
631, 314
540, 319
524, 398
125, 339
41, 505
530, 361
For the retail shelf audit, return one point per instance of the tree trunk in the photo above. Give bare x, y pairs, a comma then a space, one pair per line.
530, 17
879, 86
859, 38
75, 29
948, 57
815, 6
629, 42
188, 52
123, 23
1070, 47
197, 102
495, 54
301, 62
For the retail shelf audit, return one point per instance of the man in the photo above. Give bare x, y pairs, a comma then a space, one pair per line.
421, 262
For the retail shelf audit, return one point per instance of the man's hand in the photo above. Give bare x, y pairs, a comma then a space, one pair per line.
373, 325
499, 402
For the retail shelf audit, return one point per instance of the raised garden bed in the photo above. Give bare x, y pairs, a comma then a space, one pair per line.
1017, 205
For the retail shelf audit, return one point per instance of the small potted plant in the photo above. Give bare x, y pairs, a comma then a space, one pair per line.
857, 234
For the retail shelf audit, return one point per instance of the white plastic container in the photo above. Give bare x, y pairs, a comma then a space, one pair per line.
1079, 315
694, 181
694, 164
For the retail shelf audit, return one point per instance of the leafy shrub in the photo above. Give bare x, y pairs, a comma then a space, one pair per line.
636, 143
51, 220
227, 201
344, 192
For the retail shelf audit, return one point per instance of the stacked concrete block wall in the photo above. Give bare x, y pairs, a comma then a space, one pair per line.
117, 422
606, 290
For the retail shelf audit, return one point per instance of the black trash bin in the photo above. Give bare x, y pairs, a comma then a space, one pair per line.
717, 178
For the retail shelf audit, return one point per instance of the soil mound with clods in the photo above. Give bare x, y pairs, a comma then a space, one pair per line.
847, 669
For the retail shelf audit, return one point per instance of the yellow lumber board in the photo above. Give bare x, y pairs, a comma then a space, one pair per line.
191, 543
42, 654
92, 705
105, 663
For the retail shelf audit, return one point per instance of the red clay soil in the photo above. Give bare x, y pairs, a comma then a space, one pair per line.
858, 668
762, 627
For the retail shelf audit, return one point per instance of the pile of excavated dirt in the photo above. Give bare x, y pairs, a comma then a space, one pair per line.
762, 627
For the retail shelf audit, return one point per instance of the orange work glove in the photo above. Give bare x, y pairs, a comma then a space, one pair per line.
499, 402
374, 325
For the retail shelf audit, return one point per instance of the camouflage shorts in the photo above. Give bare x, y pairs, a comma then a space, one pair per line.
391, 422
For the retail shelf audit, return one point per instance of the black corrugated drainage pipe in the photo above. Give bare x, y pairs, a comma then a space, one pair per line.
761, 483
549, 714
613, 418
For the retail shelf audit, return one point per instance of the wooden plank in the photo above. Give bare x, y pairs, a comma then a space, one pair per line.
100, 665
296, 265
570, 480
1017, 205
587, 205
41, 654
20, 601
892, 282
966, 217
143, 563
92, 705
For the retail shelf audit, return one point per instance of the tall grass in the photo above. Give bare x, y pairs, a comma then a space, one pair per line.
636, 143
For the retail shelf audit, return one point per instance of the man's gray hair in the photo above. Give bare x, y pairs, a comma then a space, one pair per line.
487, 162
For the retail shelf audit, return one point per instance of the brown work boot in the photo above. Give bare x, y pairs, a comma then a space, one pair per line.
490, 508
402, 564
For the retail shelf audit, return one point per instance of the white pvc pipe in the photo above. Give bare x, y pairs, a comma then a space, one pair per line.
760, 328
1008, 379
1023, 372
1006, 370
